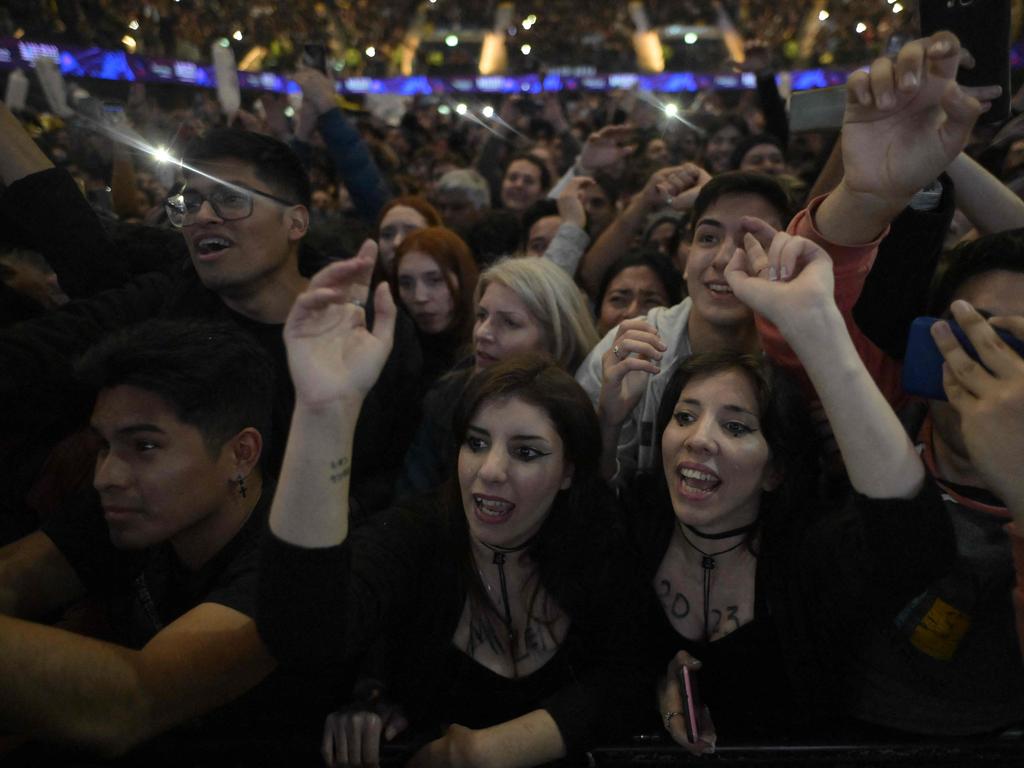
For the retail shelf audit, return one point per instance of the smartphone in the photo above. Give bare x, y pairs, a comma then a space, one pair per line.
922, 366
314, 56
692, 704
983, 27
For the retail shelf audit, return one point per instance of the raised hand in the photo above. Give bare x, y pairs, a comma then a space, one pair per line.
989, 397
570, 201
606, 147
625, 370
332, 355
670, 704
317, 88
906, 120
785, 278
676, 186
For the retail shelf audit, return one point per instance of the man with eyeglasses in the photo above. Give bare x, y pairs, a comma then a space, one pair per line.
243, 211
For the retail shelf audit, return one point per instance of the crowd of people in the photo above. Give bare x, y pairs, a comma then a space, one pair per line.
487, 442
602, 38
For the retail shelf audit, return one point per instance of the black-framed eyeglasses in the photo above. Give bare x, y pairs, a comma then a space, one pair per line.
229, 203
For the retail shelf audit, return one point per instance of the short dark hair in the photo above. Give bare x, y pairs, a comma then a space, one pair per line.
545, 174
214, 376
783, 415
273, 161
535, 212
748, 143
999, 251
743, 183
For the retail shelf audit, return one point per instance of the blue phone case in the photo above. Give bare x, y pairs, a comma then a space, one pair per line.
922, 366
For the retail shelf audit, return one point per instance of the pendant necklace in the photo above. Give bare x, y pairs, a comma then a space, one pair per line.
707, 561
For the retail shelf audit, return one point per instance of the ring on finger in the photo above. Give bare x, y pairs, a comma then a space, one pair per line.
358, 302
617, 351
667, 717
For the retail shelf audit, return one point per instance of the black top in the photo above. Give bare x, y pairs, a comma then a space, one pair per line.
821, 579
35, 357
397, 584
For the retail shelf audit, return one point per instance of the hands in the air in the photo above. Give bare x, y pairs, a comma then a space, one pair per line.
332, 355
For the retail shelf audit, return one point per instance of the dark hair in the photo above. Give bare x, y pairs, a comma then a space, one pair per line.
784, 419
713, 124
743, 183
669, 276
494, 235
212, 375
748, 144
545, 174
272, 161
453, 257
418, 203
1002, 250
582, 520
535, 212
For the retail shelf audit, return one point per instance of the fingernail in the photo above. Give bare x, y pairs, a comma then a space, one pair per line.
940, 330
772, 274
785, 272
962, 305
909, 80
939, 48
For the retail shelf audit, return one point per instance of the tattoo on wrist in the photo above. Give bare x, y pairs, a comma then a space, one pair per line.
340, 469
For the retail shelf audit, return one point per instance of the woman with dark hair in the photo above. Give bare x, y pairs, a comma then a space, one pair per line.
634, 285
761, 588
434, 276
723, 135
398, 219
502, 605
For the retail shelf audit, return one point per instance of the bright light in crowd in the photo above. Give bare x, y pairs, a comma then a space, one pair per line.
529, 21
690, 38
371, 51
237, 35
487, 111
451, 41
822, 15
897, 8
461, 109
133, 24
161, 155
671, 110
129, 42
444, 109
289, 112
861, 27
526, 49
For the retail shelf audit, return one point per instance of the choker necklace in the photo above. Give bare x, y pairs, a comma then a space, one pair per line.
499, 560
708, 563
724, 534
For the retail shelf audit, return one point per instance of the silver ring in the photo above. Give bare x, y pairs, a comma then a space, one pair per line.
668, 200
358, 302
616, 350
667, 717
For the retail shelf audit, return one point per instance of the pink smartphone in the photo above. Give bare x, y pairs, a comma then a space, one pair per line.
692, 704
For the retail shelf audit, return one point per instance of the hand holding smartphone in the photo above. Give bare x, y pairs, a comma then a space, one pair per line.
693, 707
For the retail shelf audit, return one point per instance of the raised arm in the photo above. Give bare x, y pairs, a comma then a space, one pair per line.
789, 281
20, 156
334, 360
988, 203
905, 122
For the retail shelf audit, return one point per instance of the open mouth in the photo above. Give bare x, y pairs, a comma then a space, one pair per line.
491, 510
697, 484
719, 288
210, 245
